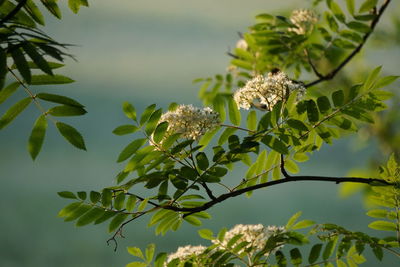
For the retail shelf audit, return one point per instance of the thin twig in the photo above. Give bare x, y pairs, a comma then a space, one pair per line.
333, 73
283, 171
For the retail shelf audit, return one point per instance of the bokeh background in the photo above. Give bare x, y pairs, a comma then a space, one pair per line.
149, 52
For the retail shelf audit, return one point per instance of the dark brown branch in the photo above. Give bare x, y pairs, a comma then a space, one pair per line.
283, 170
223, 197
13, 12
333, 73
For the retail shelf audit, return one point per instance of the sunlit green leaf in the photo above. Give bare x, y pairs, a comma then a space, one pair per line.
90, 216
14, 111
8, 91
37, 136
383, 225
275, 144
67, 194
367, 5
147, 113
75, 5
130, 149
234, 113
125, 129
314, 253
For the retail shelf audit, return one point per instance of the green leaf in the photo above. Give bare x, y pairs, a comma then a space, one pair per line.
134, 251
202, 161
225, 135
59, 99
372, 77
14, 111
37, 136
293, 220
129, 110
303, 224
78, 212
275, 144
329, 248
8, 91
350, 6
106, 197
68, 209
384, 81
291, 166
147, 113
153, 121
90, 216
338, 98
116, 222
359, 26
252, 120
66, 111
67, 194
367, 6
312, 111
205, 139
219, 106
150, 252
234, 113
119, 201
136, 264
52, 7
22, 64
106, 216
125, 129
337, 12
130, 149
34, 12
142, 205
50, 79
160, 131
75, 5
314, 253
130, 203
192, 220
94, 196
340, 263
206, 234
383, 225
295, 257
297, 124
324, 105
71, 135
37, 58
160, 259
378, 252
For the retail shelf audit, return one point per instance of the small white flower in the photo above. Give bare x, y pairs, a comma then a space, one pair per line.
255, 234
242, 44
185, 252
276, 86
191, 122
304, 20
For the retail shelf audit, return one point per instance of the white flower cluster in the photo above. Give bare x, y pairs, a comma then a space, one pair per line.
185, 252
191, 122
304, 20
267, 90
242, 44
256, 234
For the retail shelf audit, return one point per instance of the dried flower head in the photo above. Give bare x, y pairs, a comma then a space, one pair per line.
304, 20
255, 234
186, 252
191, 122
276, 86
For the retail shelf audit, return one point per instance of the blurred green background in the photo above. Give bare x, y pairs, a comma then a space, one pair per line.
148, 52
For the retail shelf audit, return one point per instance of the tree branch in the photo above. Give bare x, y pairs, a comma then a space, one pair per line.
333, 73
223, 197
13, 12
